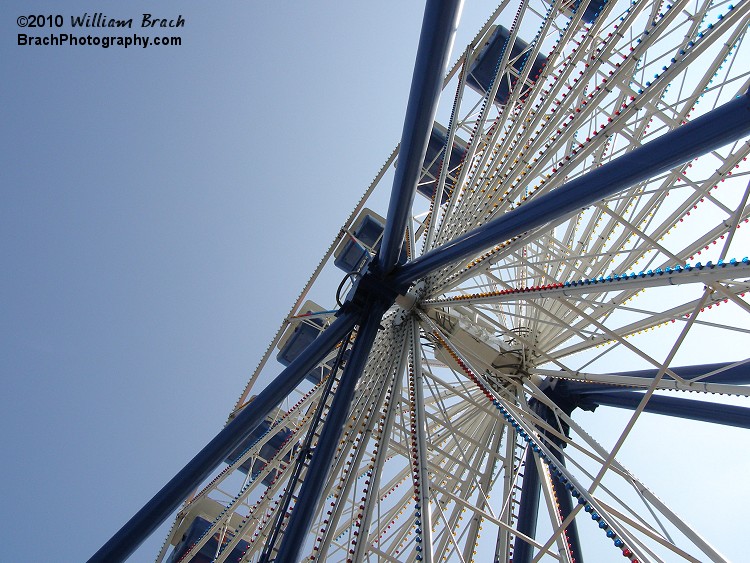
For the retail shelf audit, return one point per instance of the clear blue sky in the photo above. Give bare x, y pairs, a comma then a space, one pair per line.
161, 209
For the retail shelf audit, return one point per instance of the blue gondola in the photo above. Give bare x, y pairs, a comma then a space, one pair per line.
352, 254
592, 10
207, 553
267, 451
299, 337
367, 230
431, 165
483, 68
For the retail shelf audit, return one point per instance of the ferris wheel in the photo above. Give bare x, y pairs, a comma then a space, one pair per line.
511, 352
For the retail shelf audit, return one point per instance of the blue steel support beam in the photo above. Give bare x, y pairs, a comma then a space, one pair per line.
565, 504
711, 131
438, 32
303, 512
704, 411
528, 510
735, 375
168, 499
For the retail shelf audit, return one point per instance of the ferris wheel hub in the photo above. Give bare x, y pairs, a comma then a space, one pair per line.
410, 298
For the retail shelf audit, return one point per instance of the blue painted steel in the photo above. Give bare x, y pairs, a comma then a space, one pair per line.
565, 504
704, 411
435, 42
529, 501
736, 375
528, 509
166, 501
713, 130
312, 487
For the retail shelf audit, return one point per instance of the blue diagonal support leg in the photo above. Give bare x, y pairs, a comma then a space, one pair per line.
528, 509
730, 373
303, 512
166, 501
703, 411
565, 505
711, 131
435, 42
727, 372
